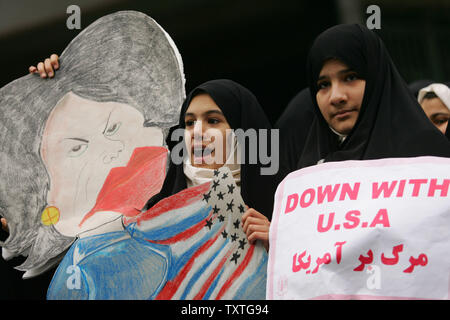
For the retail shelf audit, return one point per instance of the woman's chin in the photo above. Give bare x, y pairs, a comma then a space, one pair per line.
205, 162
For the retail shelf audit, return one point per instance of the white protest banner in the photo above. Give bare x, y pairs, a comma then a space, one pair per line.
376, 229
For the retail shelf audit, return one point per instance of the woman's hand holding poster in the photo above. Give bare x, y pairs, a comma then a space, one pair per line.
373, 229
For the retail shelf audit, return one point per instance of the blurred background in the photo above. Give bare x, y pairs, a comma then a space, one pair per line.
261, 44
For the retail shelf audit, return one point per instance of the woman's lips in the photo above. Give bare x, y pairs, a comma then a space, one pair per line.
343, 113
200, 153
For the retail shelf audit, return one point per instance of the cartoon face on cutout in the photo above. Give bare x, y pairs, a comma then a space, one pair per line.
82, 141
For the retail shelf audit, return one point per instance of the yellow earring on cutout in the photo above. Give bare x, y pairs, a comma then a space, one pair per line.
50, 216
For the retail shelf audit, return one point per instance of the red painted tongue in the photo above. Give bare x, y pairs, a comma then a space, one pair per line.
127, 189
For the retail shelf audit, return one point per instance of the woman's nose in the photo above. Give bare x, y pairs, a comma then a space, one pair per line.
198, 130
113, 150
338, 95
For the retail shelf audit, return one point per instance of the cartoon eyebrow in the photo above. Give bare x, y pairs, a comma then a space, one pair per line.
78, 139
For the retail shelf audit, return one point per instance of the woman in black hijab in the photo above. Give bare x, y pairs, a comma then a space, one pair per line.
294, 124
241, 110
388, 123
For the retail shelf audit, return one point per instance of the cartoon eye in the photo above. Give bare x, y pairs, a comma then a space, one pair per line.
112, 129
78, 150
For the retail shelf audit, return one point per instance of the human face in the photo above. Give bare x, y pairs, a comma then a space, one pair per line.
206, 133
437, 112
82, 141
339, 96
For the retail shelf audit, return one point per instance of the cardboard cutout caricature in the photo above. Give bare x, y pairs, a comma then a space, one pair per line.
81, 154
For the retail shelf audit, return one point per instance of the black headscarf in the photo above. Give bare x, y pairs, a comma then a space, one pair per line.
241, 110
391, 122
447, 132
415, 86
294, 125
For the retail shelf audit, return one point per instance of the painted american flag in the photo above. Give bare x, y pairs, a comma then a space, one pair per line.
210, 257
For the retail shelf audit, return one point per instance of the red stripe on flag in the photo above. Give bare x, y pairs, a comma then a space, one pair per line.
181, 199
236, 272
185, 234
212, 277
171, 286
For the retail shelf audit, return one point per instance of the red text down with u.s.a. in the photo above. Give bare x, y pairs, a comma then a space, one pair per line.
374, 229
